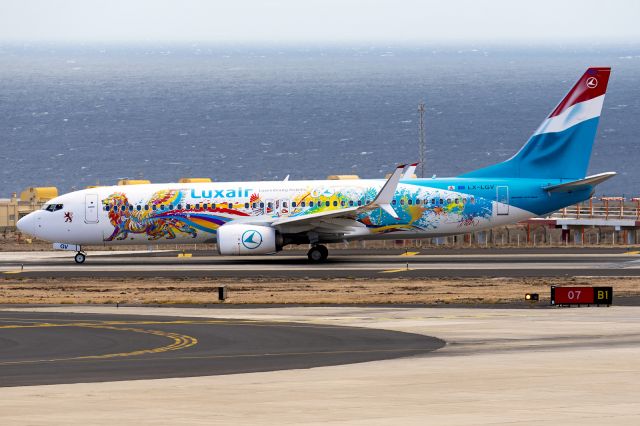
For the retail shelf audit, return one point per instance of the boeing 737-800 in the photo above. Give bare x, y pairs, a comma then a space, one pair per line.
254, 218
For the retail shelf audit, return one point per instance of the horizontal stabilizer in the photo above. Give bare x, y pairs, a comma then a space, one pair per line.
580, 183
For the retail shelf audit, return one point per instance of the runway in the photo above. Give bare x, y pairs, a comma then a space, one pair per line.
54, 348
341, 264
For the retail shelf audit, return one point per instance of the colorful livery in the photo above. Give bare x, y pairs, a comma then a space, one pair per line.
245, 218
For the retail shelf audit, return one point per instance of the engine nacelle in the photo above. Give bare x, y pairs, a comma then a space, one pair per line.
239, 239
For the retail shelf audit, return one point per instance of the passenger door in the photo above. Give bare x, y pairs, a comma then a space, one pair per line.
91, 208
502, 197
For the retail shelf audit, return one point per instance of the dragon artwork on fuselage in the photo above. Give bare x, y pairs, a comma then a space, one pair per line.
162, 217
169, 213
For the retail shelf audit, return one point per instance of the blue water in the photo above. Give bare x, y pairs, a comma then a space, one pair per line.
77, 116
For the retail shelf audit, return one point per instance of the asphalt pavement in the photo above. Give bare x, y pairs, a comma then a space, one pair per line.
411, 263
53, 348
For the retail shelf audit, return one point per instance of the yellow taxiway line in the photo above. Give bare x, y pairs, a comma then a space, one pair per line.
179, 341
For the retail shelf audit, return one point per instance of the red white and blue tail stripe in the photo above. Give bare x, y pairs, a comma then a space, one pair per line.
561, 147
584, 102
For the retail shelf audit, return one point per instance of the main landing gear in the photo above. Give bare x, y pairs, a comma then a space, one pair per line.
80, 257
318, 253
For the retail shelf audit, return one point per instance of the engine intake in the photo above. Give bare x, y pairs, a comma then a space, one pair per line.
246, 240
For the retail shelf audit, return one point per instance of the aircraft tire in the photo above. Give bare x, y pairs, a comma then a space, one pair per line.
318, 254
80, 258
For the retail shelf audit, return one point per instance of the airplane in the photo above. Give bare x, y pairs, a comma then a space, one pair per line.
257, 218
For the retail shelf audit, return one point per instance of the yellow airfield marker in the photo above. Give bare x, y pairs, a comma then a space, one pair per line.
393, 271
410, 253
184, 255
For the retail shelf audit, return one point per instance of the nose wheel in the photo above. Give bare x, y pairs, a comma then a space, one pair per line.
80, 257
318, 253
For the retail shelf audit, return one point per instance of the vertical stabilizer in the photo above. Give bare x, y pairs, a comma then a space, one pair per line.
561, 147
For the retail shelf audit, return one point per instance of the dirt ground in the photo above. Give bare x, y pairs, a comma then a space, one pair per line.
340, 291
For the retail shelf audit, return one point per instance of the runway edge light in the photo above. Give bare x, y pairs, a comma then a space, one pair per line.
532, 297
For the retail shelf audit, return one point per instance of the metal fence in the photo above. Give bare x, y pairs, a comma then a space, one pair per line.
602, 208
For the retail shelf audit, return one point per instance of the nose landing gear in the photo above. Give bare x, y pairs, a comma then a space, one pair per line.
80, 257
318, 253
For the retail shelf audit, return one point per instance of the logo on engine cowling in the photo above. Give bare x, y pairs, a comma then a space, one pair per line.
251, 239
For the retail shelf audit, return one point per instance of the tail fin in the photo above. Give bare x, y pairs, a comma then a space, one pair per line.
561, 147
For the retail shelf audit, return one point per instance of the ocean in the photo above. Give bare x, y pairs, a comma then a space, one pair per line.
73, 116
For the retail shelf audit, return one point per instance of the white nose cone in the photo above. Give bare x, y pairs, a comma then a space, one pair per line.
27, 224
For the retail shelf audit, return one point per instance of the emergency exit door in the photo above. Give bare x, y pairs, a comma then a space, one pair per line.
91, 208
502, 197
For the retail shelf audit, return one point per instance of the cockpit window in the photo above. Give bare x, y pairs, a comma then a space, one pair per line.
52, 207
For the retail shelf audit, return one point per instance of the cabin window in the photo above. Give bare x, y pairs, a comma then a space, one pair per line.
335, 204
440, 201
350, 203
285, 204
417, 201
246, 205
146, 207
154, 207
293, 204
402, 202
139, 207
394, 202
170, 206
205, 206
359, 203
179, 206
262, 205
433, 201
448, 200
229, 205
410, 201
106, 208
473, 200
188, 206
310, 203
455, 201
303, 204
327, 204
131, 208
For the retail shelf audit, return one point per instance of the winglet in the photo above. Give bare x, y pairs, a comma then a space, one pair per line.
410, 171
385, 196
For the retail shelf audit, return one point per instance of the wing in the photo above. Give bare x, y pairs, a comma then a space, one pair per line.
383, 200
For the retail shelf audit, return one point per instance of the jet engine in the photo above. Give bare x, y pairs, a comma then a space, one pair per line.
239, 239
